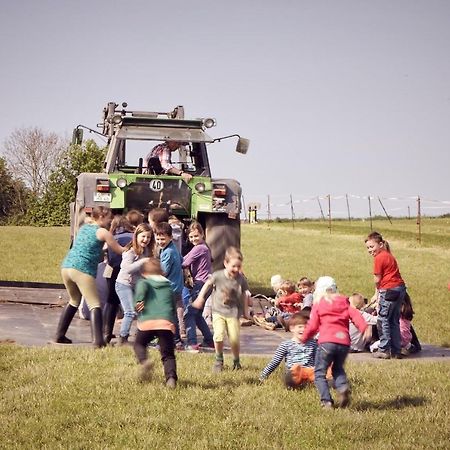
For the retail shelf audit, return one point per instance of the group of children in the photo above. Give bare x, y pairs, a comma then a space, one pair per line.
149, 282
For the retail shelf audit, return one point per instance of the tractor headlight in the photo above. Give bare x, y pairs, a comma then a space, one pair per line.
200, 187
209, 123
121, 183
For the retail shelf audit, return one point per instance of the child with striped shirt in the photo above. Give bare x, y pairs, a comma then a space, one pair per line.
299, 358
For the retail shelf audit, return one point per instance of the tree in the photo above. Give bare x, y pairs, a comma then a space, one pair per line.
31, 154
13, 196
52, 209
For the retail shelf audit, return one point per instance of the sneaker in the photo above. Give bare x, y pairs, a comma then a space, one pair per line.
206, 345
237, 366
146, 371
218, 366
179, 346
344, 398
381, 355
326, 405
171, 383
194, 348
63, 340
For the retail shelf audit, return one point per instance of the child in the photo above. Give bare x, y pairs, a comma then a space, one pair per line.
79, 270
287, 304
228, 300
132, 261
156, 319
135, 217
391, 292
171, 263
122, 230
298, 357
198, 260
275, 282
330, 316
357, 341
305, 288
409, 342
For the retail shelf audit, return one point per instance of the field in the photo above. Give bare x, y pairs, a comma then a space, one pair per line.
80, 398
34, 254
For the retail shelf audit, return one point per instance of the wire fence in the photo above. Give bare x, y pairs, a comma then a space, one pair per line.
347, 206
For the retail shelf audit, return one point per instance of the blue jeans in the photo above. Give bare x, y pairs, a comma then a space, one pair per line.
193, 318
390, 303
125, 294
330, 353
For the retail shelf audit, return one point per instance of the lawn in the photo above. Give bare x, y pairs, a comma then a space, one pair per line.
80, 398
308, 249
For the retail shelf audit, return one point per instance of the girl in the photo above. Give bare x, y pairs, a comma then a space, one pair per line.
156, 307
391, 292
122, 230
132, 261
79, 270
330, 315
199, 262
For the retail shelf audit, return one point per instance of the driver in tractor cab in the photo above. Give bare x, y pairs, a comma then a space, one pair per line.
163, 153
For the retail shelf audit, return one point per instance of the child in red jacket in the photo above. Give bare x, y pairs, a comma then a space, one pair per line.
330, 316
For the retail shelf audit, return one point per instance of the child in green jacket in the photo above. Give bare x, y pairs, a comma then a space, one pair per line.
155, 304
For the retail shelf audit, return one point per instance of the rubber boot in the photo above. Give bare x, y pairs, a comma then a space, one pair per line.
97, 327
109, 317
64, 322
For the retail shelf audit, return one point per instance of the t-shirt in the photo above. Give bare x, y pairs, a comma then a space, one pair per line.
386, 266
199, 261
171, 261
227, 297
86, 252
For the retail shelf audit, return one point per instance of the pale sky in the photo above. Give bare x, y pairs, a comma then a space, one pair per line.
336, 97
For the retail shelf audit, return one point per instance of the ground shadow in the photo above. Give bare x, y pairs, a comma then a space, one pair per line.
395, 403
211, 384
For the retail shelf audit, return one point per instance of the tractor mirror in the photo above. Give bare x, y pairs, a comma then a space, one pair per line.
242, 145
77, 136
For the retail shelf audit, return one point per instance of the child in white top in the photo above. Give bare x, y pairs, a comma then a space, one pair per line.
358, 341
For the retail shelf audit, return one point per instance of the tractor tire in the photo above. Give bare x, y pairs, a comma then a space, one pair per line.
221, 233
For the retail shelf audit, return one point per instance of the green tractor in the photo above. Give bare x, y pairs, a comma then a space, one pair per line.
124, 185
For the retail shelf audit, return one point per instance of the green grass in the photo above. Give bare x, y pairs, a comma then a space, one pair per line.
80, 398
35, 254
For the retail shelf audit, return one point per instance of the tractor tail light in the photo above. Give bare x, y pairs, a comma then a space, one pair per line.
220, 190
102, 185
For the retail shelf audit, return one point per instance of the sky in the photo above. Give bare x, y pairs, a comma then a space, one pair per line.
340, 98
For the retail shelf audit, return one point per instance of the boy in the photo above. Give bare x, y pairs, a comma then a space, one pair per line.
154, 303
228, 300
171, 262
298, 357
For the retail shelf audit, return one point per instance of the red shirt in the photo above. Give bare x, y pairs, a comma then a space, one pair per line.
386, 267
287, 302
332, 319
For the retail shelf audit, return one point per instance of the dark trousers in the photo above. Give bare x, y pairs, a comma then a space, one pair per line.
166, 348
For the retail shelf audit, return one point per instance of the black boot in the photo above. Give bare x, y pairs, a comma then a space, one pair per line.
64, 322
97, 327
109, 317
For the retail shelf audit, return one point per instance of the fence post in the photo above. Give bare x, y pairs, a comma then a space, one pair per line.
419, 222
370, 214
292, 212
329, 212
348, 208
321, 210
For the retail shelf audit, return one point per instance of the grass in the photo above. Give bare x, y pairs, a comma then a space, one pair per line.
80, 398
35, 254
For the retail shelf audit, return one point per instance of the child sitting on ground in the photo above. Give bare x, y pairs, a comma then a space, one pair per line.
357, 341
409, 342
299, 358
287, 304
305, 288
154, 302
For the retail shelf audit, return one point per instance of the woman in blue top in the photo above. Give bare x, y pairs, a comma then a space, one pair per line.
79, 270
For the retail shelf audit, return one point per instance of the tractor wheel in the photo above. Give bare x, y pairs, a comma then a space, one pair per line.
221, 233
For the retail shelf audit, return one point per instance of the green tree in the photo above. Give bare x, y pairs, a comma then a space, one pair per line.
13, 196
52, 209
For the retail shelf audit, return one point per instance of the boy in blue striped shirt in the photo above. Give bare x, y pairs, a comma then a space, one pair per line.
299, 358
